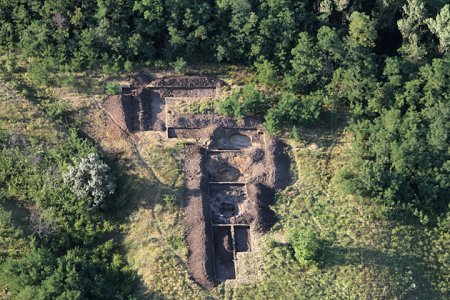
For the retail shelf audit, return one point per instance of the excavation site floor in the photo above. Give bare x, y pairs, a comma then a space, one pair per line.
232, 169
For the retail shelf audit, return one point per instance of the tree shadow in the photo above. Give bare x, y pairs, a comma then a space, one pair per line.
397, 265
326, 130
20, 215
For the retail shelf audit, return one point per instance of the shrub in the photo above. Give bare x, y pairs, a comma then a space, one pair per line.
271, 243
128, 66
39, 71
55, 109
305, 244
4, 135
170, 199
266, 73
89, 180
180, 66
112, 88
230, 107
273, 120
246, 101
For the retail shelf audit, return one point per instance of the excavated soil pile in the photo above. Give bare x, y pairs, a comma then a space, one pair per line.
199, 121
198, 220
188, 82
116, 120
242, 238
188, 86
140, 79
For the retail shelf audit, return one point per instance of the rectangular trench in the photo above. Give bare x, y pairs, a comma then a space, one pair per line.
223, 253
228, 240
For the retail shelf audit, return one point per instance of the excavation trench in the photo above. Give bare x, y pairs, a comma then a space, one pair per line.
231, 171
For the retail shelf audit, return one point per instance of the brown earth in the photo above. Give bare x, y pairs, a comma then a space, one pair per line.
198, 219
188, 92
188, 82
116, 120
242, 238
140, 79
199, 121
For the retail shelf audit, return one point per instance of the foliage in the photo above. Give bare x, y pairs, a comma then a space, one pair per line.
75, 275
40, 71
180, 66
441, 27
409, 26
305, 244
361, 30
291, 110
53, 245
246, 101
112, 88
402, 155
89, 180
266, 73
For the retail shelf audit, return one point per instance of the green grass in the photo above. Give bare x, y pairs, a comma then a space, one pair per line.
368, 250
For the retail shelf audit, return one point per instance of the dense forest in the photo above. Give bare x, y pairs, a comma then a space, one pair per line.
384, 63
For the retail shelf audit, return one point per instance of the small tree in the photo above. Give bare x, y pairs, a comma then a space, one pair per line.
362, 30
305, 244
89, 180
111, 88
180, 66
441, 27
266, 73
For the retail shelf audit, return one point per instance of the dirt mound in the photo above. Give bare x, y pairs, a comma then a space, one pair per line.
242, 238
264, 197
198, 219
280, 163
140, 78
188, 82
199, 121
175, 92
116, 117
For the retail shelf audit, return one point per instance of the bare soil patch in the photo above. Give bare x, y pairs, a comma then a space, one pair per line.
228, 201
187, 121
188, 92
242, 238
188, 82
141, 110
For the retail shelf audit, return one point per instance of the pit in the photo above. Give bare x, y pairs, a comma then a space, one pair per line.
240, 141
